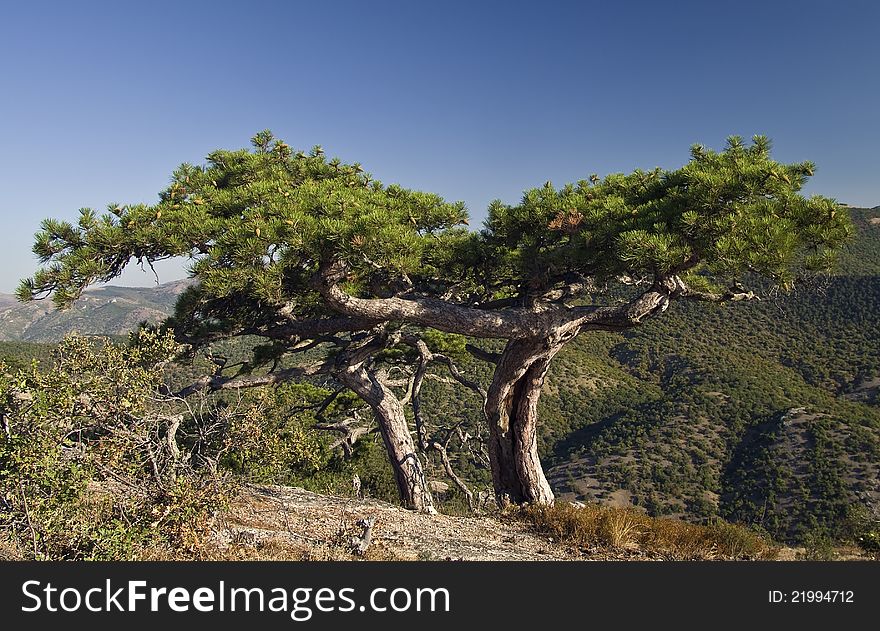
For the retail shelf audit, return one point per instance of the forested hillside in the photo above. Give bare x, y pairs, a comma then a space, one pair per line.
764, 412
862, 257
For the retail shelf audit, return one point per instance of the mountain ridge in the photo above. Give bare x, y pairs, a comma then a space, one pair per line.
105, 310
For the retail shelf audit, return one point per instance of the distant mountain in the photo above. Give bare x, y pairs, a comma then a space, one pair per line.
104, 310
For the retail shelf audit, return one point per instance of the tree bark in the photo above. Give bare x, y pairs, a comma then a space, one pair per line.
512, 412
411, 483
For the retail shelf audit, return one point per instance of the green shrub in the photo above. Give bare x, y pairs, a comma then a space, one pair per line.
90, 465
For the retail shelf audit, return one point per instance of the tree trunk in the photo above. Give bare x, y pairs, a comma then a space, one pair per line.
411, 483
512, 412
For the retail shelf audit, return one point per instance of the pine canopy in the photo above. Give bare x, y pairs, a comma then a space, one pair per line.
722, 215
257, 225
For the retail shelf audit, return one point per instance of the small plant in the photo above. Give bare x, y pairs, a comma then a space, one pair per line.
619, 528
869, 541
864, 530
818, 546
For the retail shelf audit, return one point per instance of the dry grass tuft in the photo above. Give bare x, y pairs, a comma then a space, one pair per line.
594, 526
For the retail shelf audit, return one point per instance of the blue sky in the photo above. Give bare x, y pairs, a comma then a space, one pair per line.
474, 101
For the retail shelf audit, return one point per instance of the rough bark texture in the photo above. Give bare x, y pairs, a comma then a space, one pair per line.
512, 412
408, 473
534, 484
437, 314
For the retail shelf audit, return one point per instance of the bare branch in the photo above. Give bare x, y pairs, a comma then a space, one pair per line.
326, 403
483, 355
349, 428
426, 357
734, 294
311, 329
442, 449
459, 377
216, 382
620, 317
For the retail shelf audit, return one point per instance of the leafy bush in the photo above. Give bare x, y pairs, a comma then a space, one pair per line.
818, 546
90, 465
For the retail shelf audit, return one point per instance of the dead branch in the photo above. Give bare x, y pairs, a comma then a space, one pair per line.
361, 542
351, 429
443, 450
483, 355
216, 382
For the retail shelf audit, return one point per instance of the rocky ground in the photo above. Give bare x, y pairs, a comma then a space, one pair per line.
286, 522
274, 522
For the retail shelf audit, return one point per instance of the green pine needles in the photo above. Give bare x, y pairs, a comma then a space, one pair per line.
723, 214
256, 225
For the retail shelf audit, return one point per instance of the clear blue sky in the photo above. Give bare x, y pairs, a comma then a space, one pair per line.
474, 101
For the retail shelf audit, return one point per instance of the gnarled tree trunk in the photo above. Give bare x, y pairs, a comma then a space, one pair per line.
535, 334
411, 483
512, 412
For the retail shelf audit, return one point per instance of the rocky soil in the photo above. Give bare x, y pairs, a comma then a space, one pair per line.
286, 522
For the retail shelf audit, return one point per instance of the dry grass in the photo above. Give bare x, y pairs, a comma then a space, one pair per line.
593, 526
277, 548
9, 551
279, 523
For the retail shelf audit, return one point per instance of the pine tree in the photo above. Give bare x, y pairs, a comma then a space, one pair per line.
303, 251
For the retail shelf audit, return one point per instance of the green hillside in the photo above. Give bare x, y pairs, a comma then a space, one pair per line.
862, 257
761, 413
765, 413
